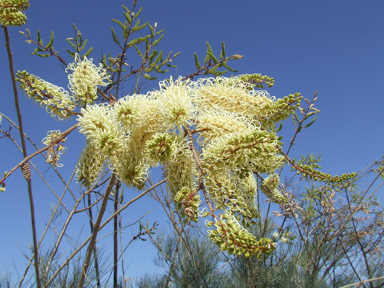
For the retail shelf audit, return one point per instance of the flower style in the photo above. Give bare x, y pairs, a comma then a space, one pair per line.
84, 79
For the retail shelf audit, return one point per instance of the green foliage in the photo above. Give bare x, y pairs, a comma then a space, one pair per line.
79, 45
212, 64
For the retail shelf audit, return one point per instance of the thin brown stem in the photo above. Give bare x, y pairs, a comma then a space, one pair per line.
21, 130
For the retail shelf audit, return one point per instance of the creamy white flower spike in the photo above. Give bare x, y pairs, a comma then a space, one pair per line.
84, 79
233, 95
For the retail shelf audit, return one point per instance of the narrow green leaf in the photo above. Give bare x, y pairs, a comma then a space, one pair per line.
310, 114
104, 61
138, 13
297, 118
138, 27
280, 127
49, 45
83, 46
148, 77
114, 36
149, 69
211, 56
71, 53
294, 121
159, 32
222, 54
146, 47
88, 52
126, 9
159, 57
153, 54
197, 63
299, 128
310, 123
138, 51
157, 69
157, 41
128, 17
79, 40
38, 36
168, 57
120, 24
125, 34
43, 55
229, 68
73, 45
137, 41
152, 31
171, 66
209, 50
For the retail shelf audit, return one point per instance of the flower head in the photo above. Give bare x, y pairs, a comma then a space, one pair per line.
175, 101
84, 79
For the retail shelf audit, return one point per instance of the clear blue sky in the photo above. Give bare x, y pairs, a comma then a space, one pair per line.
334, 47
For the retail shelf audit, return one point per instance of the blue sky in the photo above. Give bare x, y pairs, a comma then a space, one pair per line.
334, 47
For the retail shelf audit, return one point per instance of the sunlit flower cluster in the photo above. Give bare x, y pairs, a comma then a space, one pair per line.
11, 12
233, 137
231, 122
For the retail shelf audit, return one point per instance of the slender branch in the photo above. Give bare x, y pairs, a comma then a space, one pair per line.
363, 281
21, 130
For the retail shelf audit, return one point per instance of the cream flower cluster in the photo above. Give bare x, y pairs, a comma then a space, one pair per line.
231, 126
84, 79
